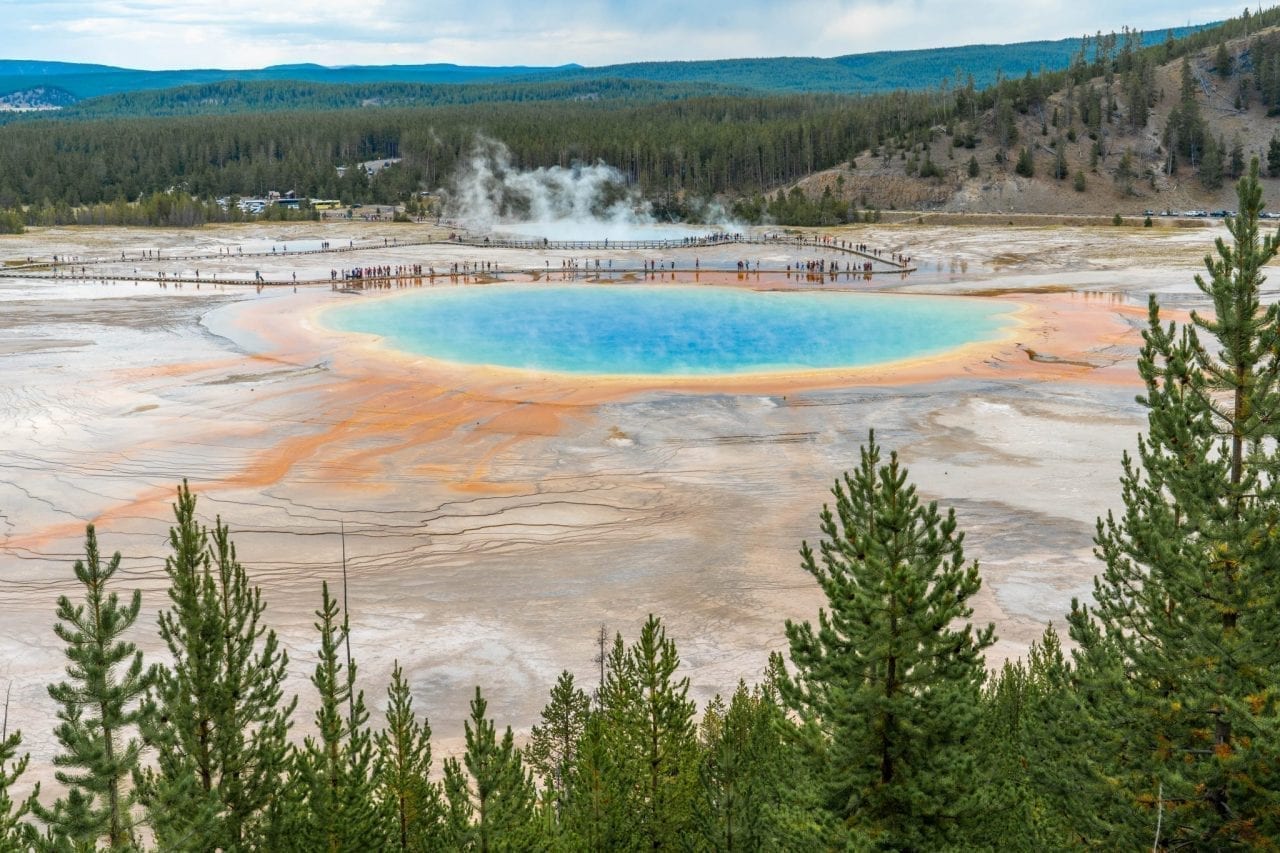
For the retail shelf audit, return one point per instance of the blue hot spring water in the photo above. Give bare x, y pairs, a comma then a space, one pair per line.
670, 330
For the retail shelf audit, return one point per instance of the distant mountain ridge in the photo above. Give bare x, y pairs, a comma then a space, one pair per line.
91, 81
862, 73
850, 74
31, 67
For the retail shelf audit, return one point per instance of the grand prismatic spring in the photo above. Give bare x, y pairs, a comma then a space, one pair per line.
671, 330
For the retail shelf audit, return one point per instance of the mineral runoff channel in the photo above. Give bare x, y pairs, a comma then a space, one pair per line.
495, 519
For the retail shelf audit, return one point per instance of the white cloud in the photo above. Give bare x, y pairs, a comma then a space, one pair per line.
250, 33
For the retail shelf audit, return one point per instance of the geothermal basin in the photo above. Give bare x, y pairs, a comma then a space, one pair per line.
499, 509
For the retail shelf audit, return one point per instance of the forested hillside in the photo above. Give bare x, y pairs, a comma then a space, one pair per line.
881, 71
1151, 130
702, 146
1122, 126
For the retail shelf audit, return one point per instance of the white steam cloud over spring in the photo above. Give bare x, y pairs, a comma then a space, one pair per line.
583, 202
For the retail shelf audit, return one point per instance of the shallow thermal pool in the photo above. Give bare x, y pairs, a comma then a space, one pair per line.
671, 330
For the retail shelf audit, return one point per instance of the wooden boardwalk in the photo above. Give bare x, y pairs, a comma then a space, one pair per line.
841, 246
76, 269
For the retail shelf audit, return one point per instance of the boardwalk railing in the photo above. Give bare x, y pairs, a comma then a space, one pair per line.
594, 245
58, 266
843, 246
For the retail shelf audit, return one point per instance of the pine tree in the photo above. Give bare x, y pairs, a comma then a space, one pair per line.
1002, 733
335, 769
216, 716
1034, 743
458, 810
1185, 132
973, 168
1139, 95
1237, 158
1211, 167
100, 708
553, 745
1273, 157
755, 791
404, 770
649, 723
594, 816
1060, 168
500, 793
1222, 61
1182, 635
1124, 173
1026, 165
15, 832
887, 686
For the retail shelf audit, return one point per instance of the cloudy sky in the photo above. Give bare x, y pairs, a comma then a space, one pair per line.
255, 33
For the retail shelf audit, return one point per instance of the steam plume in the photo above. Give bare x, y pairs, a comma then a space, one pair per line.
583, 202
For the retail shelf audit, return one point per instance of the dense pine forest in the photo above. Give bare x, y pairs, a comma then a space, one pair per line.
259, 96
678, 146
1154, 724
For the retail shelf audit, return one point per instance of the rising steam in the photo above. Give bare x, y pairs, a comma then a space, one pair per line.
595, 202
